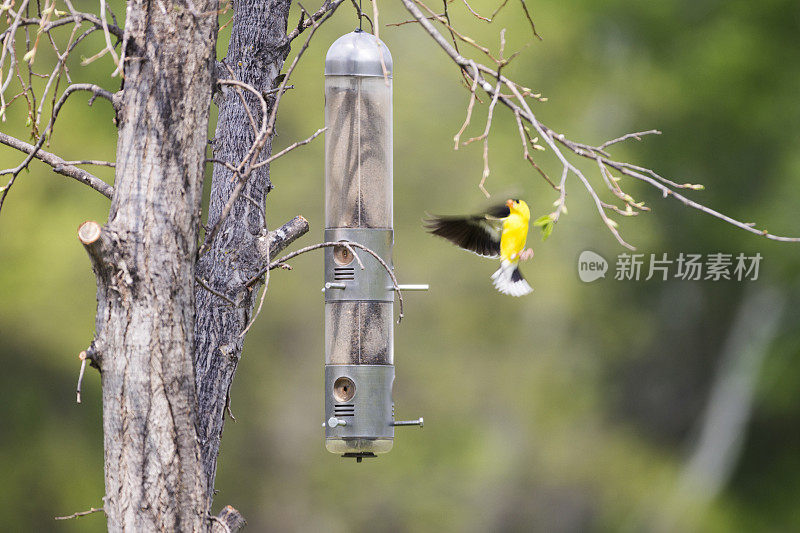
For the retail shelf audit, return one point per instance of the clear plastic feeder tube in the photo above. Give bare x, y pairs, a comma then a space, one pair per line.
359, 303
358, 141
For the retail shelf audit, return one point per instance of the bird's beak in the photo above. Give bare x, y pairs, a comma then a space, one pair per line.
509, 203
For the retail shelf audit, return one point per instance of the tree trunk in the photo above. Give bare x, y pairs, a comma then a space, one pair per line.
167, 348
144, 263
256, 54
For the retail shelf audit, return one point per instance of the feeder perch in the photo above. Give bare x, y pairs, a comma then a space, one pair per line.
359, 303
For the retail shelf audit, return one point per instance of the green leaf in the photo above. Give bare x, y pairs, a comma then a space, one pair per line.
547, 229
542, 220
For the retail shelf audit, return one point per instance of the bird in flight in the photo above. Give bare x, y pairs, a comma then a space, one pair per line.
499, 233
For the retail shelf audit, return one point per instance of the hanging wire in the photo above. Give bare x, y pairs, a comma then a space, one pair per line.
361, 16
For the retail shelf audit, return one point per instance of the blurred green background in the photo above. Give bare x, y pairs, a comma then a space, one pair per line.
578, 408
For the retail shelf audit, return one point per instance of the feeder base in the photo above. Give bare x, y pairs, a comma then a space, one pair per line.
355, 447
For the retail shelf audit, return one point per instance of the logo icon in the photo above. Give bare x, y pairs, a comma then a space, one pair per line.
591, 266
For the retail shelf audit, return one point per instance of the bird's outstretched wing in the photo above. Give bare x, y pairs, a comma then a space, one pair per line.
477, 233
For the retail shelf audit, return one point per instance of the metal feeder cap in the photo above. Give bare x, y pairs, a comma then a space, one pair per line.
357, 54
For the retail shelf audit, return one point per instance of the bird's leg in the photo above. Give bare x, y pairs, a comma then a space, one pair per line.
526, 254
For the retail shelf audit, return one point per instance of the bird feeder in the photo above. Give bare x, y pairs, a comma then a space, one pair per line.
359, 302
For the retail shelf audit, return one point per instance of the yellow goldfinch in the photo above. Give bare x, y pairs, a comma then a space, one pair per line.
499, 233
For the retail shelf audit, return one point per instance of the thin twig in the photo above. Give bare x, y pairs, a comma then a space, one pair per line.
203, 283
280, 262
413, 21
273, 91
263, 297
228, 405
65, 168
485, 138
475, 12
8, 38
496, 11
94, 89
75, 17
462, 37
470, 106
238, 172
328, 6
107, 36
81, 513
638, 136
82, 357
526, 140
91, 162
530, 20
288, 149
241, 98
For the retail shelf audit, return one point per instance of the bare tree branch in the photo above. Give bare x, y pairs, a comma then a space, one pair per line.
638, 136
46, 23
328, 7
65, 168
94, 89
517, 103
76, 17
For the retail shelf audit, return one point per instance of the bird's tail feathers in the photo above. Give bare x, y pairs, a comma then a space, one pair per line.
508, 279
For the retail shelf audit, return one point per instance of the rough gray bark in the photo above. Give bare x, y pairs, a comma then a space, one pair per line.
144, 263
167, 348
256, 54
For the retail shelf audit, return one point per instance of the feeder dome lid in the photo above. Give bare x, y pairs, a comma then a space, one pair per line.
357, 54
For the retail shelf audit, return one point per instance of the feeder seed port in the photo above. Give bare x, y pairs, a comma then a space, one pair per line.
342, 255
344, 389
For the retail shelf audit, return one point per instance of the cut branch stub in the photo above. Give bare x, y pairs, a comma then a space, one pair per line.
89, 232
98, 243
286, 234
228, 520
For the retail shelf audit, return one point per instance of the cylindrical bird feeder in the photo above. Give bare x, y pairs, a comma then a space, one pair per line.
359, 303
